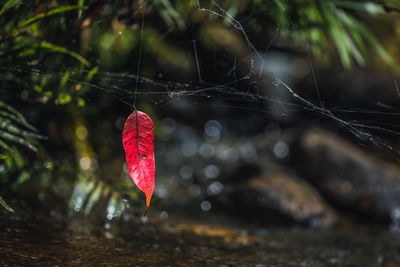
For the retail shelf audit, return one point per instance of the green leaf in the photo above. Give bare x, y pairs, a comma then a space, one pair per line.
341, 40
22, 178
64, 79
9, 4
10, 132
80, 193
5, 146
15, 130
63, 98
4, 204
81, 102
60, 49
54, 11
367, 7
170, 15
379, 49
91, 73
16, 139
15, 115
81, 7
115, 207
94, 197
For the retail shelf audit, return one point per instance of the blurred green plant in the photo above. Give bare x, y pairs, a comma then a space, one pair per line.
28, 36
50, 69
10, 132
315, 25
319, 23
24, 44
14, 129
90, 190
27, 33
4, 204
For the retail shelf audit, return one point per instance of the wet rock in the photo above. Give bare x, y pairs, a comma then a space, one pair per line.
349, 176
280, 198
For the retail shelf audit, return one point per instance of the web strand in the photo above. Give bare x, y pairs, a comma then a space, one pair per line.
240, 91
139, 57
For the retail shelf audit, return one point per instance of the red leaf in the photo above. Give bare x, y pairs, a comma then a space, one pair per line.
138, 138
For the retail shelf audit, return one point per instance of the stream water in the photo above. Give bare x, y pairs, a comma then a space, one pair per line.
30, 241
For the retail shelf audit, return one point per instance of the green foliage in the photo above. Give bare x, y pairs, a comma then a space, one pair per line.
14, 129
172, 15
4, 204
313, 24
90, 190
55, 11
55, 48
28, 38
12, 124
318, 23
44, 53
8, 5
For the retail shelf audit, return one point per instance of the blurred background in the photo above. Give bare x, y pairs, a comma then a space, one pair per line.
276, 131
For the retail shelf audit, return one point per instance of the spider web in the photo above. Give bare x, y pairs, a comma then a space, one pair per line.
242, 91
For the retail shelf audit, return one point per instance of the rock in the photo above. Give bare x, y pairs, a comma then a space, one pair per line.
349, 176
267, 195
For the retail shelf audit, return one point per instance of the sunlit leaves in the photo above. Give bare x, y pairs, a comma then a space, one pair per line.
94, 197
63, 98
115, 207
24, 36
80, 194
90, 191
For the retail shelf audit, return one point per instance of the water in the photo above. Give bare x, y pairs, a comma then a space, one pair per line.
183, 242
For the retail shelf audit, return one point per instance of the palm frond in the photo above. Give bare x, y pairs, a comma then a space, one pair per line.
11, 133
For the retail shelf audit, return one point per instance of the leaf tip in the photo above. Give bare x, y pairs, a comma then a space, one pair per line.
148, 197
